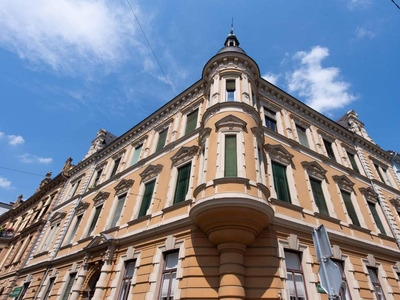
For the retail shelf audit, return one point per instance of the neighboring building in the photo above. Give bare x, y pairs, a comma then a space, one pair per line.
21, 226
4, 207
216, 195
395, 162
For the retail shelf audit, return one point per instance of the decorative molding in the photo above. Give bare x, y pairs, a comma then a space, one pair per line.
369, 194
119, 154
203, 134
344, 183
123, 186
151, 172
279, 153
299, 121
396, 203
184, 154
259, 134
81, 207
139, 141
57, 217
230, 122
100, 198
314, 169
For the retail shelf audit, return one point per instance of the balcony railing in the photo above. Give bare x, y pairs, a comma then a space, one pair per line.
7, 234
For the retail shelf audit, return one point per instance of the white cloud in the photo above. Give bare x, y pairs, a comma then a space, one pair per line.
1, 134
363, 32
30, 158
69, 36
271, 77
353, 4
322, 88
15, 140
5, 183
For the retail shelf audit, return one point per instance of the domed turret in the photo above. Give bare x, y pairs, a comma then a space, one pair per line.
231, 44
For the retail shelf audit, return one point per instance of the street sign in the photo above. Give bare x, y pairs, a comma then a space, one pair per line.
16, 291
329, 273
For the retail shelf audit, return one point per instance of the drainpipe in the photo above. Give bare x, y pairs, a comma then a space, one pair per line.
379, 198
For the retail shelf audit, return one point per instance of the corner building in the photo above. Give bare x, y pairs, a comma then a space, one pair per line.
215, 196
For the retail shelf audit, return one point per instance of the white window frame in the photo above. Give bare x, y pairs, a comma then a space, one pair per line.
370, 262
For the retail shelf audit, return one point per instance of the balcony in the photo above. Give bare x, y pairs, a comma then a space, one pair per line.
7, 233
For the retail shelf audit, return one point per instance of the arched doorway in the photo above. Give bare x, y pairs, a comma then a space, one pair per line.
90, 286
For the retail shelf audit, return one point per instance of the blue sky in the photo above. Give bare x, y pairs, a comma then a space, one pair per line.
69, 68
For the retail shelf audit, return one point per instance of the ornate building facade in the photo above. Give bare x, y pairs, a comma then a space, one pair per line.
215, 196
20, 227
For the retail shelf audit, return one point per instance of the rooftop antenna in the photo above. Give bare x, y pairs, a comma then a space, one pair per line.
232, 26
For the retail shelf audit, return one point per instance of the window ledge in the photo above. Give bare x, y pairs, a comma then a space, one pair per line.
223, 180
327, 218
177, 205
111, 229
386, 237
356, 227
40, 254
85, 239
286, 204
140, 219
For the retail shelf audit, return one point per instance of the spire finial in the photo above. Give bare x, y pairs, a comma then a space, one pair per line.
232, 26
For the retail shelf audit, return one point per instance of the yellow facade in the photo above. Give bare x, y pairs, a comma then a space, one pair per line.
225, 206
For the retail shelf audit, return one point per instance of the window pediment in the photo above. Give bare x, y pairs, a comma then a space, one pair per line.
299, 121
80, 209
396, 203
369, 194
123, 185
230, 122
344, 183
100, 198
151, 172
314, 169
139, 141
119, 154
279, 153
203, 134
184, 154
57, 217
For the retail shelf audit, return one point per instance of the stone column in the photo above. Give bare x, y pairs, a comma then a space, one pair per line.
76, 289
231, 271
104, 272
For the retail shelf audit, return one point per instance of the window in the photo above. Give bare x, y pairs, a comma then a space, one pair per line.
280, 182
97, 178
50, 236
295, 277
68, 288
353, 162
127, 280
230, 90
162, 137
191, 121
375, 215
23, 292
115, 168
329, 150
136, 154
373, 275
147, 195
94, 220
270, 119
301, 133
49, 288
379, 172
344, 292
350, 208
74, 230
73, 189
182, 183
319, 196
118, 210
230, 156
168, 280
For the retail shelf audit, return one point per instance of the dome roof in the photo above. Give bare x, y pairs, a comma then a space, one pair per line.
231, 44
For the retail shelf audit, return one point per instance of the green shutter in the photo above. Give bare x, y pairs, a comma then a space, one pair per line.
230, 156
118, 209
136, 155
95, 218
162, 137
280, 182
182, 183
147, 195
350, 208
319, 196
191, 121
353, 162
375, 215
